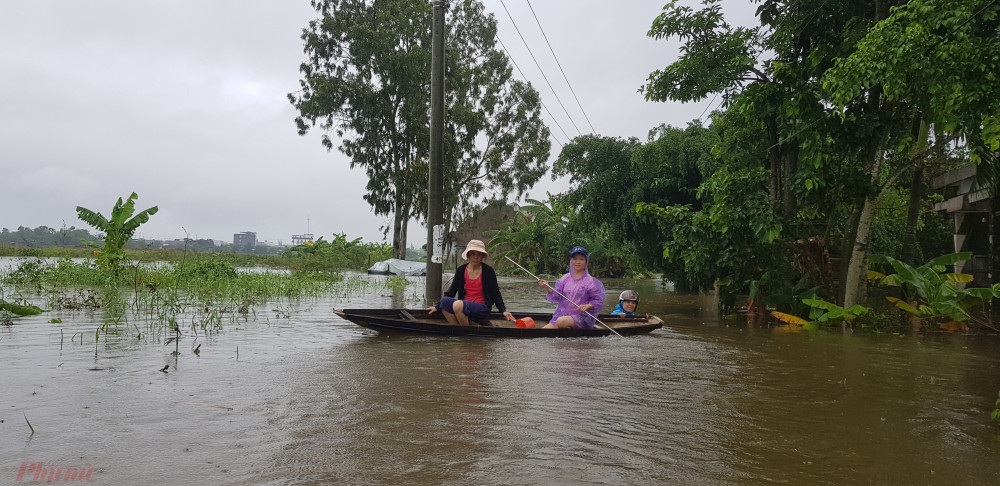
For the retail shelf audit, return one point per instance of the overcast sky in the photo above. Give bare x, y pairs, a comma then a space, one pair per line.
184, 102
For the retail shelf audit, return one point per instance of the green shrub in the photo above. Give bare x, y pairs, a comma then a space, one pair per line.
881, 321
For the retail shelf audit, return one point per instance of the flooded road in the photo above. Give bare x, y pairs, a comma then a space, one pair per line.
299, 396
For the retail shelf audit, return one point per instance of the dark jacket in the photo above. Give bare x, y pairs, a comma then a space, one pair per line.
491, 290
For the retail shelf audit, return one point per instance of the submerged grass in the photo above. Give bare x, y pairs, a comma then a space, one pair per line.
211, 278
153, 298
349, 256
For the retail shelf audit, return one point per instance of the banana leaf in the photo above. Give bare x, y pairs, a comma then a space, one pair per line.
20, 310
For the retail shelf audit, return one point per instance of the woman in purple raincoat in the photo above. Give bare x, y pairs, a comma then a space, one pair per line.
582, 295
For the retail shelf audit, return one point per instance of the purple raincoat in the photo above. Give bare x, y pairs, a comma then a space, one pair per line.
584, 290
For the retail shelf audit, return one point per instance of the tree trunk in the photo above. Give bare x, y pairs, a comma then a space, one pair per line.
846, 247
912, 216
790, 162
857, 264
856, 273
856, 277
400, 218
994, 226
774, 156
917, 155
994, 238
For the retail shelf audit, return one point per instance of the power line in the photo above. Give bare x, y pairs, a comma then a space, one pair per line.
709, 105
571, 90
554, 120
540, 67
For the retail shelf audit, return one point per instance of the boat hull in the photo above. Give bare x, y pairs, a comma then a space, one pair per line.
416, 321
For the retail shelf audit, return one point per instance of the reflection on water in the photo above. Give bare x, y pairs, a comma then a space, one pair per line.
311, 399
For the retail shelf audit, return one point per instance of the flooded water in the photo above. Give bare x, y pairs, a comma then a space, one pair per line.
301, 397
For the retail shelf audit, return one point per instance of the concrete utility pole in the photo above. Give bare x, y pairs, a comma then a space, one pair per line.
435, 172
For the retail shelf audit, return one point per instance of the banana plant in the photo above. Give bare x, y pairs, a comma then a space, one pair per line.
117, 231
822, 313
530, 235
930, 291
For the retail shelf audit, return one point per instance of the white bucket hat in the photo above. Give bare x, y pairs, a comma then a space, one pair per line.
474, 245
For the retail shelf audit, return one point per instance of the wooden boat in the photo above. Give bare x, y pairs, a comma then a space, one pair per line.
420, 322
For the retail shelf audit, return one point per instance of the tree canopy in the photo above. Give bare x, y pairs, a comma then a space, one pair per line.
365, 83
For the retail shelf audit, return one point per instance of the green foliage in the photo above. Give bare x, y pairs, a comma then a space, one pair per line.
714, 58
534, 236
935, 234
930, 291
27, 271
609, 257
118, 230
365, 83
43, 236
601, 178
540, 235
996, 411
19, 309
824, 312
729, 239
822, 175
879, 320
170, 295
336, 254
940, 55
209, 269
610, 176
207, 281
48, 252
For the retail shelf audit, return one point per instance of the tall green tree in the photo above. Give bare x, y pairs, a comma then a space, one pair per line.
600, 178
496, 145
366, 84
609, 176
824, 172
941, 57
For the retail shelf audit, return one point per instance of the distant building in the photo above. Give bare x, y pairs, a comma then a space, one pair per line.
245, 240
301, 239
492, 217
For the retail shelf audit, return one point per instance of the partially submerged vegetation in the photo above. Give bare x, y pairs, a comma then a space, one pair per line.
158, 286
203, 290
118, 230
336, 255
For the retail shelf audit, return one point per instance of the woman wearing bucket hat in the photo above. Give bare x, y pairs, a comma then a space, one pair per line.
579, 294
473, 291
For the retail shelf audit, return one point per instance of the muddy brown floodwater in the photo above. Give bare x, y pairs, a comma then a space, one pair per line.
301, 397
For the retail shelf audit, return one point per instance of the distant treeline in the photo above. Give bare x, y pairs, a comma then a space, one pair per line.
45, 237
